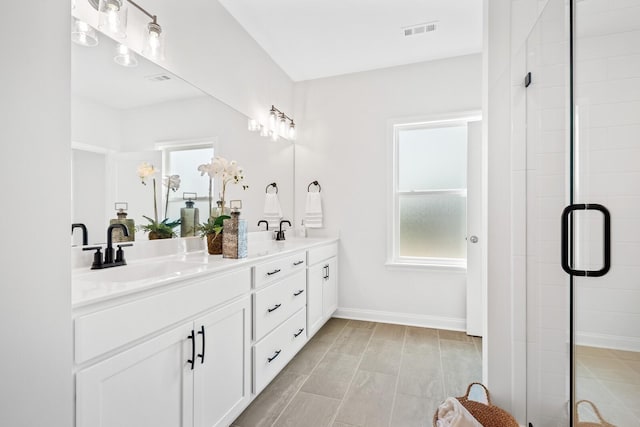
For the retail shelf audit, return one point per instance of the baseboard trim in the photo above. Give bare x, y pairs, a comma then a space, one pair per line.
435, 322
608, 341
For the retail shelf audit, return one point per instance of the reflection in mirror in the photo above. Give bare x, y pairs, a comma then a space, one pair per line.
123, 116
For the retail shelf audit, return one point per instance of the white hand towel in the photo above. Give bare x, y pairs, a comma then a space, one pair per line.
451, 413
313, 210
272, 210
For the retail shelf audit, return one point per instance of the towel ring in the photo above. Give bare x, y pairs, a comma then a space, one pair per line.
316, 184
274, 185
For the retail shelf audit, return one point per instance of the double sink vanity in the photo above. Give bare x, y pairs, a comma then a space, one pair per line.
181, 338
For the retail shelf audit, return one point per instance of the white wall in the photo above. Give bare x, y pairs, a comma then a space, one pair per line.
95, 124
343, 144
207, 47
35, 292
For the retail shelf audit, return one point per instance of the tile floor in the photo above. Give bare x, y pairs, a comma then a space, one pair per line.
610, 379
354, 373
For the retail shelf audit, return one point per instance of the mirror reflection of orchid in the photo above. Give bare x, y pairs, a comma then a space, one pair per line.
164, 228
228, 172
172, 182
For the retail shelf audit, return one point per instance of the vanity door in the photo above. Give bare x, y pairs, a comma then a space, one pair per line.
150, 384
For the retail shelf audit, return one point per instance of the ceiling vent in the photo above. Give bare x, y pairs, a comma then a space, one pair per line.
158, 77
415, 30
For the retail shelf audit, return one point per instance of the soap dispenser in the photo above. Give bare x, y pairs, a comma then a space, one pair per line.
234, 235
189, 215
121, 213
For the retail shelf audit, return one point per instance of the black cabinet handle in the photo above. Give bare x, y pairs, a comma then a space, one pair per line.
295, 294
201, 355
270, 273
298, 262
566, 213
272, 358
192, 361
301, 330
275, 307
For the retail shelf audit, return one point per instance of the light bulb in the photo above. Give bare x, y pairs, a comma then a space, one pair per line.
292, 131
282, 129
113, 17
272, 119
154, 41
125, 57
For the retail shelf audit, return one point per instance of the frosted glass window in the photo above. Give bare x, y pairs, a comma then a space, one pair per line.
432, 158
185, 162
430, 193
433, 226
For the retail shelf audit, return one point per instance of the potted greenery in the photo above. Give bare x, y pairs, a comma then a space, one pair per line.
158, 229
212, 230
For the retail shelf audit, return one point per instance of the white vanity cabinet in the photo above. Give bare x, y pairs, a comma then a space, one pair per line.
279, 315
196, 374
322, 286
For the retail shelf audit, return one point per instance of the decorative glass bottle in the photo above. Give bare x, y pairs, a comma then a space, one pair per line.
189, 216
121, 213
234, 235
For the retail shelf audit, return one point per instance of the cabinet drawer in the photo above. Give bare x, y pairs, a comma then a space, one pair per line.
105, 330
323, 252
276, 350
273, 270
275, 303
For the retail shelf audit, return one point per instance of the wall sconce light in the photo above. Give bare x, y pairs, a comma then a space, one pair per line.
83, 33
113, 21
277, 126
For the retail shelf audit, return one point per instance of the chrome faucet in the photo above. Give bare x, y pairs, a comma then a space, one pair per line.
280, 233
98, 263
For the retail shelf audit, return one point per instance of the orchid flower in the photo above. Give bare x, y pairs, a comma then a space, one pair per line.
145, 170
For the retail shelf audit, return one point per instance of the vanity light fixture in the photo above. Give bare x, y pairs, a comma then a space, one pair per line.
113, 21
280, 125
83, 33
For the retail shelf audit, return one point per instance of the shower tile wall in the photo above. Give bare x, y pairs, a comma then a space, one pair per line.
607, 93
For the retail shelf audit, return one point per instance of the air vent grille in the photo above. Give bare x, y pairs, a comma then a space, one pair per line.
418, 29
158, 77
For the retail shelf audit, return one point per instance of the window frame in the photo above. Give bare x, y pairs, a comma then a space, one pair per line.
394, 194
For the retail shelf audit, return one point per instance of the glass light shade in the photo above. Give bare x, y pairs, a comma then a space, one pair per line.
125, 56
273, 119
113, 17
154, 42
83, 33
264, 131
253, 125
292, 132
282, 126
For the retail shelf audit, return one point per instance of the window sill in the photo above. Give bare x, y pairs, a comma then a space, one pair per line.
435, 266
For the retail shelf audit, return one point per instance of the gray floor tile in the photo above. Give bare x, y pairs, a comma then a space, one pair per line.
386, 331
382, 356
361, 324
352, 341
264, 410
454, 335
306, 360
342, 425
421, 377
413, 411
310, 409
421, 341
330, 331
332, 376
369, 400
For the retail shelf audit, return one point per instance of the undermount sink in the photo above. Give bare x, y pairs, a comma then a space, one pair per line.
141, 271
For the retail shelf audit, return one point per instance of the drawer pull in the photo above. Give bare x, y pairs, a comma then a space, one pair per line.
201, 355
298, 262
270, 273
272, 358
192, 361
301, 330
275, 307
295, 294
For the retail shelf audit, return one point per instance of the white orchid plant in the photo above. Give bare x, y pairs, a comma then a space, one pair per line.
165, 227
228, 172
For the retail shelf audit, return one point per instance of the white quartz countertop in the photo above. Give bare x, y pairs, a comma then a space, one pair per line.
93, 286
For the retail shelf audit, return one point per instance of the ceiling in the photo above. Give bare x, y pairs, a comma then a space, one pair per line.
97, 77
312, 39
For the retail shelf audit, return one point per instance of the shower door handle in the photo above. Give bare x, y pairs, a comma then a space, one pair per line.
566, 214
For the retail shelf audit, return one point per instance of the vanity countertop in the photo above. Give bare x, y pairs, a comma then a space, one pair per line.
94, 286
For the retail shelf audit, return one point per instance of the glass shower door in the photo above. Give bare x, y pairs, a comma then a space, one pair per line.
606, 171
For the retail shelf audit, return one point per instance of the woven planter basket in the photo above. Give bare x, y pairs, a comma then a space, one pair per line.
601, 423
488, 415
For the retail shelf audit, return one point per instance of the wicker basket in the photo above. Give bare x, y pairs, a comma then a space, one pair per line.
601, 423
488, 415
